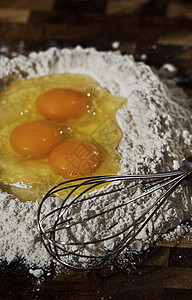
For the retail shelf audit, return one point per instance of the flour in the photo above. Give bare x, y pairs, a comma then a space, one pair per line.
156, 125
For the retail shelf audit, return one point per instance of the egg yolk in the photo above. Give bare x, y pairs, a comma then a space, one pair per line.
35, 139
61, 104
74, 159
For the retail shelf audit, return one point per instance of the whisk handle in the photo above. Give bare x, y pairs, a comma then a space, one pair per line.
187, 165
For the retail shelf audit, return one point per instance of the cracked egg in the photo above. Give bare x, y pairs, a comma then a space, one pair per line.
55, 128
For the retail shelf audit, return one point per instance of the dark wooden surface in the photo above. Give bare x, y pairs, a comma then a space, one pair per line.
163, 31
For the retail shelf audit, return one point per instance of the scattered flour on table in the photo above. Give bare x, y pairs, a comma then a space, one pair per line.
157, 134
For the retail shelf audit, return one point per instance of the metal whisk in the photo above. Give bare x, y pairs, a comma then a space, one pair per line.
69, 228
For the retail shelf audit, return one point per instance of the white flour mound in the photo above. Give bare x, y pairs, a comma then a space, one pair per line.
157, 135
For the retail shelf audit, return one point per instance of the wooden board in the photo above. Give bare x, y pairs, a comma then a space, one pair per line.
162, 30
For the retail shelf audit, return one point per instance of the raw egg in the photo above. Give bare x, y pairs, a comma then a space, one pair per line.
35, 139
61, 104
38, 148
74, 159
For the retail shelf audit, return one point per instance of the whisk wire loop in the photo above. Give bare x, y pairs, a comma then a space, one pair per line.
58, 226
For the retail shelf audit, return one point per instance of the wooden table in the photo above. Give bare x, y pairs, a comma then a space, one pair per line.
162, 30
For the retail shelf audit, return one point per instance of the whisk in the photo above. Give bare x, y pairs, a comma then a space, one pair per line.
65, 225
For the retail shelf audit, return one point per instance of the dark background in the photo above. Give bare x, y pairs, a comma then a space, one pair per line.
162, 30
